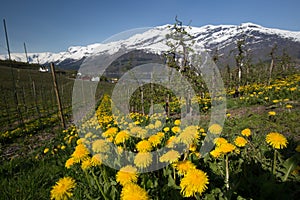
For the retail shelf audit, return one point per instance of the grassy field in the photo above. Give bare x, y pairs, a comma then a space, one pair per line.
32, 163
35, 98
35, 95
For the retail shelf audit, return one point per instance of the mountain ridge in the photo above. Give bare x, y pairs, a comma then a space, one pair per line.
209, 37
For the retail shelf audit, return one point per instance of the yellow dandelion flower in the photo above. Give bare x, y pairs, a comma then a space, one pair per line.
120, 150
289, 106
80, 153
139, 132
177, 122
132, 191
100, 146
111, 132
226, 148
275, 101
215, 129
69, 162
276, 140
202, 130
63, 147
193, 147
88, 135
293, 89
81, 141
127, 174
220, 140
246, 132
96, 160
121, 137
86, 164
195, 181
70, 139
151, 126
166, 129
155, 140
63, 189
189, 135
216, 153
160, 134
175, 129
297, 148
134, 130
171, 156
144, 146
109, 139
171, 141
240, 141
157, 124
271, 113
46, 150
143, 159
55, 150
184, 166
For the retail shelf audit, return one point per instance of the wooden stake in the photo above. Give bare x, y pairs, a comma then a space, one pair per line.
142, 101
60, 111
36, 104
21, 121
151, 111
27, 61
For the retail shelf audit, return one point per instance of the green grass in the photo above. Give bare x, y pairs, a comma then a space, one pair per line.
28, 173
36, 98
35, 95
29, 178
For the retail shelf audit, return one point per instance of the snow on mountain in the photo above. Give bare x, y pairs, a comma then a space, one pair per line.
153, 41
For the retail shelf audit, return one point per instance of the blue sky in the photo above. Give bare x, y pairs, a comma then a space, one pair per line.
54, 25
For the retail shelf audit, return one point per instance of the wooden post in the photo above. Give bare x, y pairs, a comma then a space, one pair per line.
6, 36
142, 101
167, 105
60, 111
151, 111
270, 71
21, 121
27, 61
82, 92
24, 101
188, 102
36, 104
6, 107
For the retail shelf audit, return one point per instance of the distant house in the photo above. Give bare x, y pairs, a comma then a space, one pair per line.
43, 69
114, 80
96, 79
79, 74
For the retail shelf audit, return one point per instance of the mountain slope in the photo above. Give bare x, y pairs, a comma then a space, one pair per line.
258, 41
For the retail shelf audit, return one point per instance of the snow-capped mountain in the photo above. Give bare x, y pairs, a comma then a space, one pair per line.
259, 40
